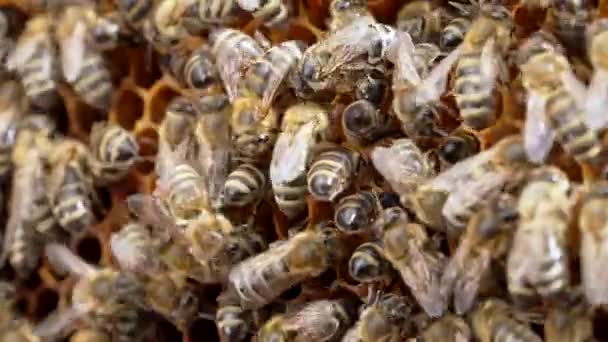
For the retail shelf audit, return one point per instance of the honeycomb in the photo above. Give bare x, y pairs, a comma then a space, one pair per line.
142, 93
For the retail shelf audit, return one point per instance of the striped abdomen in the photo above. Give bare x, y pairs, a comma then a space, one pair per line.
474, 96
38, 82
571, 130
244, 185
6, 150
24, 251
42, 218
116, 152
272, 12
72, 206
186, 192
331, 173
94, 85
216, 11
356, 212
199, 70
453, 33
136, 11
291, 197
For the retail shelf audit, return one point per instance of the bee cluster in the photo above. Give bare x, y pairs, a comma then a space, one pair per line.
303, 170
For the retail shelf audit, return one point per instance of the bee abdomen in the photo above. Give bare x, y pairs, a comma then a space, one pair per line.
116, 153
363, 122
272, 11
244, 185
356, 212
136, 10
291, 198
331, 173
184, 178
367, 264
199, 70
216, 10
453, 34
475, 100
231, 324
72, 206
94, 84
42, 218
24, 254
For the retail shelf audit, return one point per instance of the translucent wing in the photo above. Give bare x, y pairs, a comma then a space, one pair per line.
594, 252
575, 88
597, 100
402, 58
62, 259
449, 179
489, 63
56, 324
23, 52
132, 254
292, 54
538, 135
348, 43
72, 52
290, 154
433, 85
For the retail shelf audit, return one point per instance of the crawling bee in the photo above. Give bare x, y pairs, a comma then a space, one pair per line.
195, 69
322, 320
331, 172
572, 322
457, 146
135, 12
164, 28
114, 151
556, 103
69, 186
403, 165
363, 123
487, 237
83, 67
12, 106
252, 137
102, 299
422, 20
344, 12
180, 117
450, 328
134, 248
479, 66
538, 260
355, 213
493, 319
261, 278
35, 61
303, 126
406, 246
244, 185
593, 225
367, 264
381, 320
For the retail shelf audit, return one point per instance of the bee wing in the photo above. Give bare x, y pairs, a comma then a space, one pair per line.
72, 52
594, 251
434, 84
538, 134
129, 255
148, 211
489, 63
276, 79
348, 43
56, 324
401, 56
574, 87
467, 285
449, 179
62, 259
401, 170
23, 52
290, 154
596, 100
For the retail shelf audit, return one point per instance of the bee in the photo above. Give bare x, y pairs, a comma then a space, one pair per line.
422, 20
270, 12
487, 237
233, 50
596, 96
372, 87
568, 19
232, 323
331, 172
449, 328
261, 278
493, 320
406, 246
381, 320
164, 27
83, 67
572, 322
180, 118
457, 146
134, 247
555, 103
363, 123
102, 298
12, 107
89, 335
69, 186
135, 12
593, 226
268, 73
355, 213
252, 137
35, 61
244, 185
114, 152
196, 69
403, 165
454, 32
367, 264
538, 260
344, 12
303, 126
478, 66
106, 32
322, 320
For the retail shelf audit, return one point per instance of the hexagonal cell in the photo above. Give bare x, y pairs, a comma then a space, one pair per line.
159, 101
46, 302
128, 109
89, 248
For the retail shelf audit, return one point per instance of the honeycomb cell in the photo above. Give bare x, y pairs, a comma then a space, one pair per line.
159, 101
129, 108
89, 248
46, 302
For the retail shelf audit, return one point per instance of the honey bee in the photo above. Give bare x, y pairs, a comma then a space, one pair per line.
244, 185
164, 28
355, 213
261, 278
69, 186
538, 260
596, 97
367, 264
403, 165
232, 323
322, 320
486, 238
89, 335
11, 109
252, 137
457, 146
83, 67
363, 123
372, 87
102, 299
479, 66
180, 118
556, 107
381, 320
568, 19
331, 172
233, 50
570, 323
422, 20
106, 31
344, 12
454, 32
592, 224
135, 12
35, 61
303, 125
450, 328
493, 320
270, 12
195, 69
406, 247
114, 151
134, 247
